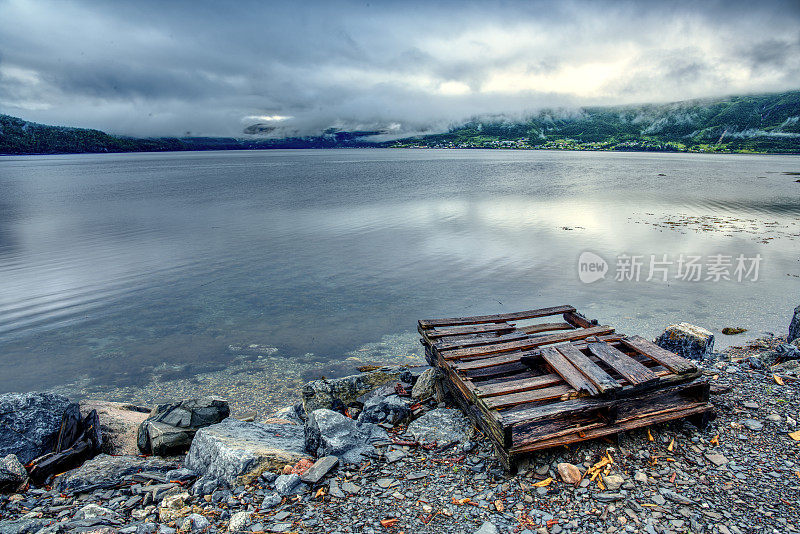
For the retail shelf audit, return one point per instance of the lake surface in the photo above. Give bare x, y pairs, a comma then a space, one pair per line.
115, 269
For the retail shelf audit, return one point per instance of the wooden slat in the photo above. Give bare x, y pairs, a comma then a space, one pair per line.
562, 392
671, 361
578, 320
591, 370
498, 370
545, 327
478, 341
636, 373
590, 404
604, 430
468, 329
526, 344
529, 314
518, 385
487, 362
568, 372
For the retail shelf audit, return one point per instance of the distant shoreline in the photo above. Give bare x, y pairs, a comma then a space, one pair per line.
515, 149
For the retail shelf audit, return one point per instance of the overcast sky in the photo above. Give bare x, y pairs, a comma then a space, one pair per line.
167, 68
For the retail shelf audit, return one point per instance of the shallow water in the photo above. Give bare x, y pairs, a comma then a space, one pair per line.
118, 268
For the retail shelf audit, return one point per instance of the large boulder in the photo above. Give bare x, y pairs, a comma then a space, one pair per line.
169, 428
119, 423
794, 325
441, 426
29, 423
687, 340
104, 471
329, 433
319, 394
236, 451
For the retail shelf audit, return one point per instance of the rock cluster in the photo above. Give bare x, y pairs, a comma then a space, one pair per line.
169, 428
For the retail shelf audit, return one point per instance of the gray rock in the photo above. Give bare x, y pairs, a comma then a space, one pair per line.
169, 428
195, 523
92, 510
609, 497
320, 394
271, 500
441, 425
29, 423
392, 410
294, 414
487, 528
794, 325
287, 484
687, 340
329, 433
424, 388
321, 467
12, 474
675, 497
104, 471
334, 490
753, 424
239, 521
23, 526
237, 452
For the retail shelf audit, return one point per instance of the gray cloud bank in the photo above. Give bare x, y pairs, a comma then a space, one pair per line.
210, 68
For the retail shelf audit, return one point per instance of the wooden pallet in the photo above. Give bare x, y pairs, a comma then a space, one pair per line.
530, 387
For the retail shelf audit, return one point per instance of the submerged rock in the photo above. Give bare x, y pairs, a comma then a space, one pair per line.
687, 340
441, 425
169, 429
329, 433
29, 423
104, 471
236, 452
321, 394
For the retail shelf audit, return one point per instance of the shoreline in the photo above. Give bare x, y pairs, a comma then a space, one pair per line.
442, 476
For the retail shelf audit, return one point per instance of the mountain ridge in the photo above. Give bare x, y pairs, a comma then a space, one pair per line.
765, 123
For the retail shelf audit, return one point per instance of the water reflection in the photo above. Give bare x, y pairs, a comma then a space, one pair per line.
121, 266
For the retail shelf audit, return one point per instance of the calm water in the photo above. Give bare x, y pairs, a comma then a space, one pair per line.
111, 265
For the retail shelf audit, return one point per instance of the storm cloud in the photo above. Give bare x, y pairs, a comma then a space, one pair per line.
209, 68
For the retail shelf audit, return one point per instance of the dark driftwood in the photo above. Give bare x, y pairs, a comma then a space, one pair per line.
71, 451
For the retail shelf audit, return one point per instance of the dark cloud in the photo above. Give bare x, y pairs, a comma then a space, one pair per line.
154, 68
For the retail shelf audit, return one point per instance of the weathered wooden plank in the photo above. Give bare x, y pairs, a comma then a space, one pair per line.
478, 341
671, 361
562, 392
496, 318
568, 372
545, 327
576, 319
499, 370
526, 344
468, 329
588, 404
636, 373
486, 362
518, 385
591, 370
583, 434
